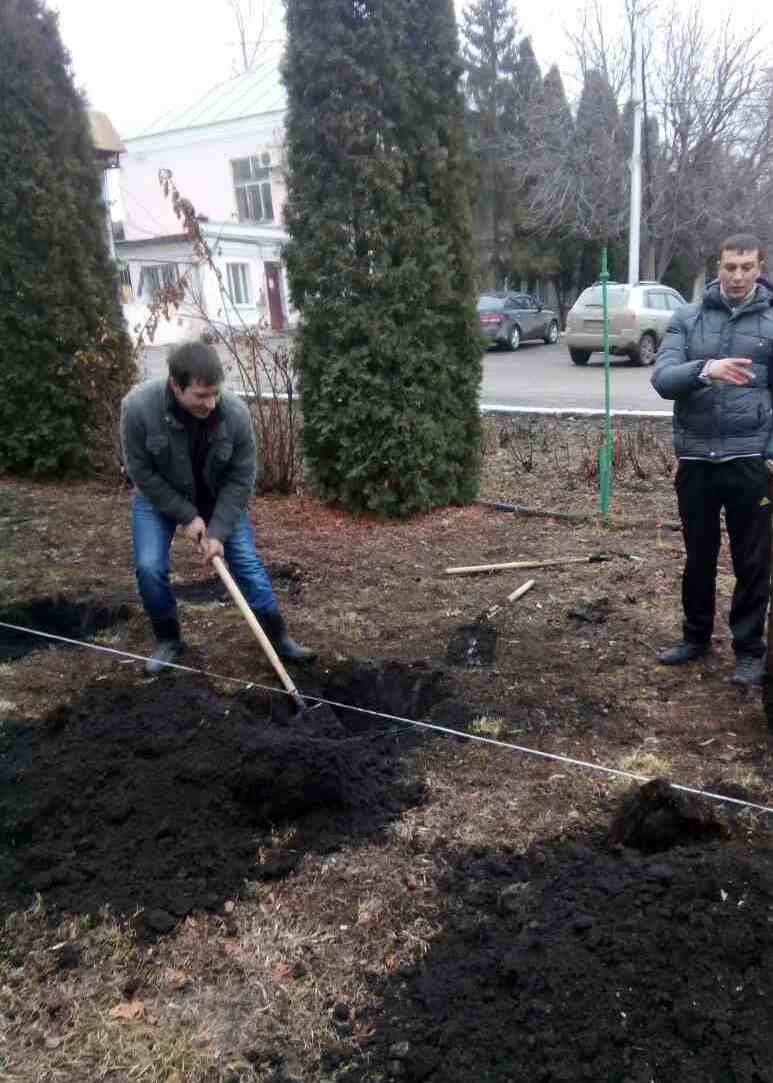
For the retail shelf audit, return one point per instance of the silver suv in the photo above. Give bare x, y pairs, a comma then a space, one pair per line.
638, 318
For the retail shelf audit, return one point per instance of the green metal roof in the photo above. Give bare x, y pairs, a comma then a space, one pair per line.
257, 91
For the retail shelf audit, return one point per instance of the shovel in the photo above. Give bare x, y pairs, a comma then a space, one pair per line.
259, 634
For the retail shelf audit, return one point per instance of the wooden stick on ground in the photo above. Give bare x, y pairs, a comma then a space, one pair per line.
519, 593
473, 568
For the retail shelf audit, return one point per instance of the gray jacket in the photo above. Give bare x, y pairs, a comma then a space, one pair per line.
154, 446
715, 421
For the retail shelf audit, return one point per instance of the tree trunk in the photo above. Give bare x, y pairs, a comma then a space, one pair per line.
555, 281
648, 260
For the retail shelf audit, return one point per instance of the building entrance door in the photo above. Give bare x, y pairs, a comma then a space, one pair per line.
274, 287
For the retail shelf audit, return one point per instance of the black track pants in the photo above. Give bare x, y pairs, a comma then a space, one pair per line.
740, 486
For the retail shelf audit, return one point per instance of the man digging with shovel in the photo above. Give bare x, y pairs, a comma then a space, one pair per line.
189, 450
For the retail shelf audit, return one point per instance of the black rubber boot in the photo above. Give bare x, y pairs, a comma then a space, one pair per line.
682, 653
169, 645
274, 626
749, 670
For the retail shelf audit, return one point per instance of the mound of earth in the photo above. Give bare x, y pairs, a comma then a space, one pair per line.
657, 817
583, 962
161, 796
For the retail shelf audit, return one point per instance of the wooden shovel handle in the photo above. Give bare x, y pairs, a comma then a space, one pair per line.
257, 631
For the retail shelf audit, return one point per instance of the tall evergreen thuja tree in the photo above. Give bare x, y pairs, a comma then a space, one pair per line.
60, 323
547, 141
490, 54
527, 256
528, 86
381, 258
554, 106
598, 161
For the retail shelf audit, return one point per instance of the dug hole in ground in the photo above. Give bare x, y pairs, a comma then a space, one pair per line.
198, 885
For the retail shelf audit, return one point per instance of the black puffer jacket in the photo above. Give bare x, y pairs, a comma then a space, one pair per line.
713, 421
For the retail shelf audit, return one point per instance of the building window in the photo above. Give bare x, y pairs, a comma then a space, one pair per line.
239, 283
124, 283
191, 281
154, 277
253, 190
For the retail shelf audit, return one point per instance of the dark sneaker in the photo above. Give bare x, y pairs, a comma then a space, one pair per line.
683, 652
167, 650
748, 670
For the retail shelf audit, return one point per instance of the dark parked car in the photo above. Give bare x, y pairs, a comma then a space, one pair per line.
508, 319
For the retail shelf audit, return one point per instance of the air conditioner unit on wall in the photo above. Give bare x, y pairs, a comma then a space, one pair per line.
265, 157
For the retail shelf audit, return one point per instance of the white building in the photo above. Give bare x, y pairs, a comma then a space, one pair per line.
225, 153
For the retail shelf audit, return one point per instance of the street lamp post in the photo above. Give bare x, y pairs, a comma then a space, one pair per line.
637, 100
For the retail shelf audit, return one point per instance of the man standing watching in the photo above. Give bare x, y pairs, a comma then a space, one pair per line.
189, 449
714, 362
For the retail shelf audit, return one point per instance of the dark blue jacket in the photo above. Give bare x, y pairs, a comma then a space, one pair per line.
713, 421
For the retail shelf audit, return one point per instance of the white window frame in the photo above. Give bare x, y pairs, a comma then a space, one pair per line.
239, 283
125, 280
252, 190
194, 294
156, 276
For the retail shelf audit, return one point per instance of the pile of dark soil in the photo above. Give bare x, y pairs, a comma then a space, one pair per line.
161, 796
585, 961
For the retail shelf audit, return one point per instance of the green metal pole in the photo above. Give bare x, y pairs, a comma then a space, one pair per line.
605, 453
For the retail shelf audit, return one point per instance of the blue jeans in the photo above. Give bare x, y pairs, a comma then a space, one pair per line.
152, 535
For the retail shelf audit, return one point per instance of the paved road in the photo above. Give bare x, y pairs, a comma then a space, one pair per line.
540, 375
536, 375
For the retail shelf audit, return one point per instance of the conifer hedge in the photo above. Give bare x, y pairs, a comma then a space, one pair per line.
381, 258
63, 352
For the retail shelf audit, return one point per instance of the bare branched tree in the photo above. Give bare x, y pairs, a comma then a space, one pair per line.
711, 95
708, 140
266, 373
578, 173
596, 49
583, 185
250, 17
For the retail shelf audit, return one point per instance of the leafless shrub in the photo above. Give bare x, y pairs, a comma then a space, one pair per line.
640, 453
267, 375
520, 436
641, 450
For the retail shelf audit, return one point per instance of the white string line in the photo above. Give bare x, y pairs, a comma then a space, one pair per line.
554, 756
201, 673
135, 657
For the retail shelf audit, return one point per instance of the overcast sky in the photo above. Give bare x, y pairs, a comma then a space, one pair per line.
138, 60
